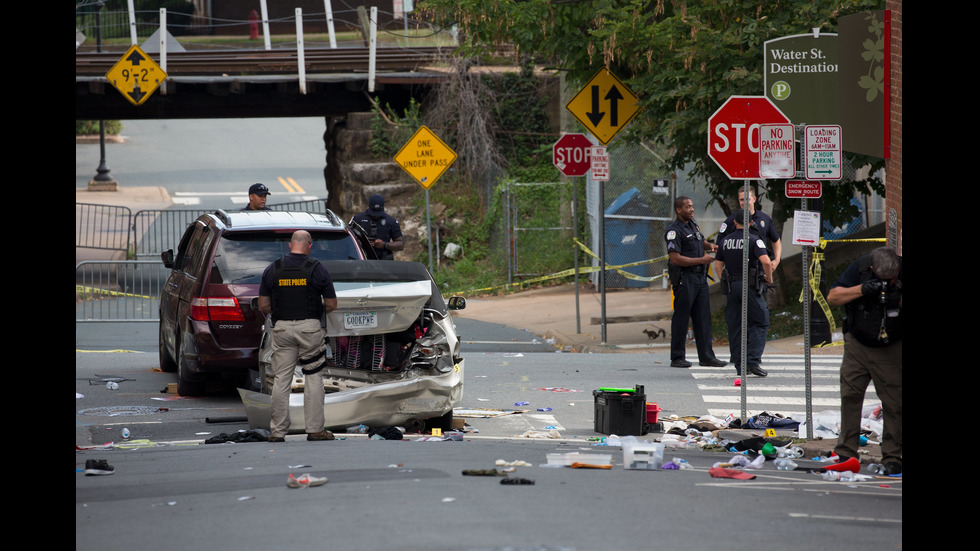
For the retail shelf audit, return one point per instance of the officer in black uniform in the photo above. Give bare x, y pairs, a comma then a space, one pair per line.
296, 291
688, 269
382, 230
763, 225
870, 289
257, 196
728, 263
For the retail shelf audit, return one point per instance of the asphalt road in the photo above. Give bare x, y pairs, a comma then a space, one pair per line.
171, 491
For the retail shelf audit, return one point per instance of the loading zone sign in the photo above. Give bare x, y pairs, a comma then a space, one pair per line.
136, 75
823, 152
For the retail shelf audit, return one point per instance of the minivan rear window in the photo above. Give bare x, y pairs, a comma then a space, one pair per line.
241, 257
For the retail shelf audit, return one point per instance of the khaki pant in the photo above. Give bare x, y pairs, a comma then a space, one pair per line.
861, 365
293, 340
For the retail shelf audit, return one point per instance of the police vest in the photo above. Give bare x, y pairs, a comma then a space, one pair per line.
293, 296
874, 320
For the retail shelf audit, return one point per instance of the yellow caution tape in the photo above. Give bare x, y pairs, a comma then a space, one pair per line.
572, 271
107, 292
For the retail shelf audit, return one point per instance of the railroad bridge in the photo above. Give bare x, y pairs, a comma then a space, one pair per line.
261, 83
266, 83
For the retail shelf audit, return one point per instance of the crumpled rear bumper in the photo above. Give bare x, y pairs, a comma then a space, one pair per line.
378, 405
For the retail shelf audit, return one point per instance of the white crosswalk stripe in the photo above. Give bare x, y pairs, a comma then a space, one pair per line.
783, 391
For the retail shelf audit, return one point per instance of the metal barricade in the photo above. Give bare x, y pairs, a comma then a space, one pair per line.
102, 227
158, 230
118, 290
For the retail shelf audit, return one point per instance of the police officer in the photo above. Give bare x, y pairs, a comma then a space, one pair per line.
296, 290
382, 230
870, 289
688, 269
762, 223
728, 263
257, 196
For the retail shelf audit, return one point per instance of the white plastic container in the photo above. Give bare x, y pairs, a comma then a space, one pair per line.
643, 455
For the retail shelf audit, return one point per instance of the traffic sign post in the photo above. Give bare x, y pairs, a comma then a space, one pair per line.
136, 75
425, 158
570, 154
604, 106
823, 152
734, 134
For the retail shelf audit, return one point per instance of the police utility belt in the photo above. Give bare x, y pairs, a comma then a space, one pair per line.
674, 272
756, 280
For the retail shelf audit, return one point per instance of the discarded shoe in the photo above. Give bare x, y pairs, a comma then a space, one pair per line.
517, 481
305, 480
850, 464
322, 435
892, 468
277, 439
680, 363
714, 362
98, 467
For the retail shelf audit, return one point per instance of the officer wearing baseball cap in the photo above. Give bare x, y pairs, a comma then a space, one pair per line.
382, 230
257, 195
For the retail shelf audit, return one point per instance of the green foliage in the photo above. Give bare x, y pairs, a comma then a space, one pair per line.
389, 131
682, 59
89, 128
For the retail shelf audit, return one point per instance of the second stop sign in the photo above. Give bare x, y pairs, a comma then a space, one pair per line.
571, 154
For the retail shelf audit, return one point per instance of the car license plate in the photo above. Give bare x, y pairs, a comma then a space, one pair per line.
360, 320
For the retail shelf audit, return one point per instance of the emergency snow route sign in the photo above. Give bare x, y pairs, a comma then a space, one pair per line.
136, 75
425, 157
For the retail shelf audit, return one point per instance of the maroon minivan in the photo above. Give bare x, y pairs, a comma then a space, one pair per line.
208, 325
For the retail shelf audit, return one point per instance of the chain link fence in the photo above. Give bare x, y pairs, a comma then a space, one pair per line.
637, 205
539, 228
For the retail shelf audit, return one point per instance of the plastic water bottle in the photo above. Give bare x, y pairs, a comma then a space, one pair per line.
357, 429
785, 465
125, 434
876, 468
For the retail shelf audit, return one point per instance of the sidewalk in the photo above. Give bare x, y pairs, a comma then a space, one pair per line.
551, 313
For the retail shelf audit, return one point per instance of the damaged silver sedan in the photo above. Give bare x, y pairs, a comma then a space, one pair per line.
395, 353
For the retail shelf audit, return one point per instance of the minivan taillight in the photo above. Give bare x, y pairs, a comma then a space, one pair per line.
216, 309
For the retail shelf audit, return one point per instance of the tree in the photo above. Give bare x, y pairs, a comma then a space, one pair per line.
683, 59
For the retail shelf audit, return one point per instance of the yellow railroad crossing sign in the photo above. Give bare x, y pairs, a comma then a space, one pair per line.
136, 76
425, 157
604, 105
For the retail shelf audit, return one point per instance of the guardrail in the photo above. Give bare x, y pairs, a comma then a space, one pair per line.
103, 227
118, 290
129, 290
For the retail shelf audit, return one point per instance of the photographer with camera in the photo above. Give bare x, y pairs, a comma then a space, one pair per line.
870, 289
382, 230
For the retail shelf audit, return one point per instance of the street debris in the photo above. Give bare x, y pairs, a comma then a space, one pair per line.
305, 480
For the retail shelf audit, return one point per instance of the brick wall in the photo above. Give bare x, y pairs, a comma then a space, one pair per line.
893, 166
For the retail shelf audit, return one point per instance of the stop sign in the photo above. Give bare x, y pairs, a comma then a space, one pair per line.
733, 134
571, 154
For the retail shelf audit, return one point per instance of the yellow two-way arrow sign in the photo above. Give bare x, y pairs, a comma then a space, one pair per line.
604, 105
